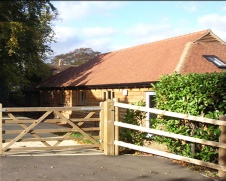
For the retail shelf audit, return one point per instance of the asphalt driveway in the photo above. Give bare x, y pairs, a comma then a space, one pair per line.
94, 167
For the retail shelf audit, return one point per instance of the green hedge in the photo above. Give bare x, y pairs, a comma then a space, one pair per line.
194, 94
134, 117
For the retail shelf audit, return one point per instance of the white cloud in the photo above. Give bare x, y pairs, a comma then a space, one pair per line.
69, 10
110, 36
106, 5
78, 10
143, 30
68, 39
63, 33
220, 34
213, 21
61, 47
98, 44
148, 32
98, 31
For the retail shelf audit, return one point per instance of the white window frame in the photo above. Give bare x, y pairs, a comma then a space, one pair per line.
148, 94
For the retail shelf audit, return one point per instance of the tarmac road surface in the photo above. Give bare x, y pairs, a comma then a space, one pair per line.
86, 167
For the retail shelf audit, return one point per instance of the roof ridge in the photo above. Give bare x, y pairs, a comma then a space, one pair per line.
167, 39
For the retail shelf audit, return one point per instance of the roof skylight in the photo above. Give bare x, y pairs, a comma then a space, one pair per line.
216, 61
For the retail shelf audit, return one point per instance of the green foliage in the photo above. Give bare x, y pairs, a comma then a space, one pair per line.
134, 117
26, 34
76, 57
194, 94
80, 138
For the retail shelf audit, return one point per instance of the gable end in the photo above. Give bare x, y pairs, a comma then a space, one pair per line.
210, 37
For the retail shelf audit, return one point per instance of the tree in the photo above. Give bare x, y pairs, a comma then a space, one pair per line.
76, 57
25, 37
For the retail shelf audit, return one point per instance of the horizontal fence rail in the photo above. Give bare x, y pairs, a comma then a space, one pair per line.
171, 114
171, 135
221, 166
170, 155
39, 109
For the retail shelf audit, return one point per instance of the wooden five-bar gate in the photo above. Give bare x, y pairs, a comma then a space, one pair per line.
49, 128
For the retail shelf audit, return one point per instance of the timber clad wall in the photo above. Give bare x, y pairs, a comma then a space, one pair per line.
95, 96
92, 97
56, 98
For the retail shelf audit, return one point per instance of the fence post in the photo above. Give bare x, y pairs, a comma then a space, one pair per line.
109, 127
1, 151
222, 151
101, 126
116, 127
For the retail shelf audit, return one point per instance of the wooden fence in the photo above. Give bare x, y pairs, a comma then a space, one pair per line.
108, 138
50, 127
112, 141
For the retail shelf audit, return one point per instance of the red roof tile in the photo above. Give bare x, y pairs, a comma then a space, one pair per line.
196, 63
145, 63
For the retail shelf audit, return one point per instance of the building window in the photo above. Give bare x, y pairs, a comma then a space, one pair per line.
105, 97
216, 61
108, 95
81, 97
113, 95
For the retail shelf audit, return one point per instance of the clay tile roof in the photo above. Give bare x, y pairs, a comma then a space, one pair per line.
145, 63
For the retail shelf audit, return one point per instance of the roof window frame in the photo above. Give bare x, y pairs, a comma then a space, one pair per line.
216, 61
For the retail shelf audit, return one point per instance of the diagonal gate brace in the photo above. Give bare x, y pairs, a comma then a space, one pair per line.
25, 131
75, 127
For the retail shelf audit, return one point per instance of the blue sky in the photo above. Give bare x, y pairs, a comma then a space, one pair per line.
107, 26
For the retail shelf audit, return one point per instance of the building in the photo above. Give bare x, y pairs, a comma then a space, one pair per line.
127, 74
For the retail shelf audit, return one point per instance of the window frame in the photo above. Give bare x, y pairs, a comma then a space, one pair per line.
81, 97
108, 95
216, 61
